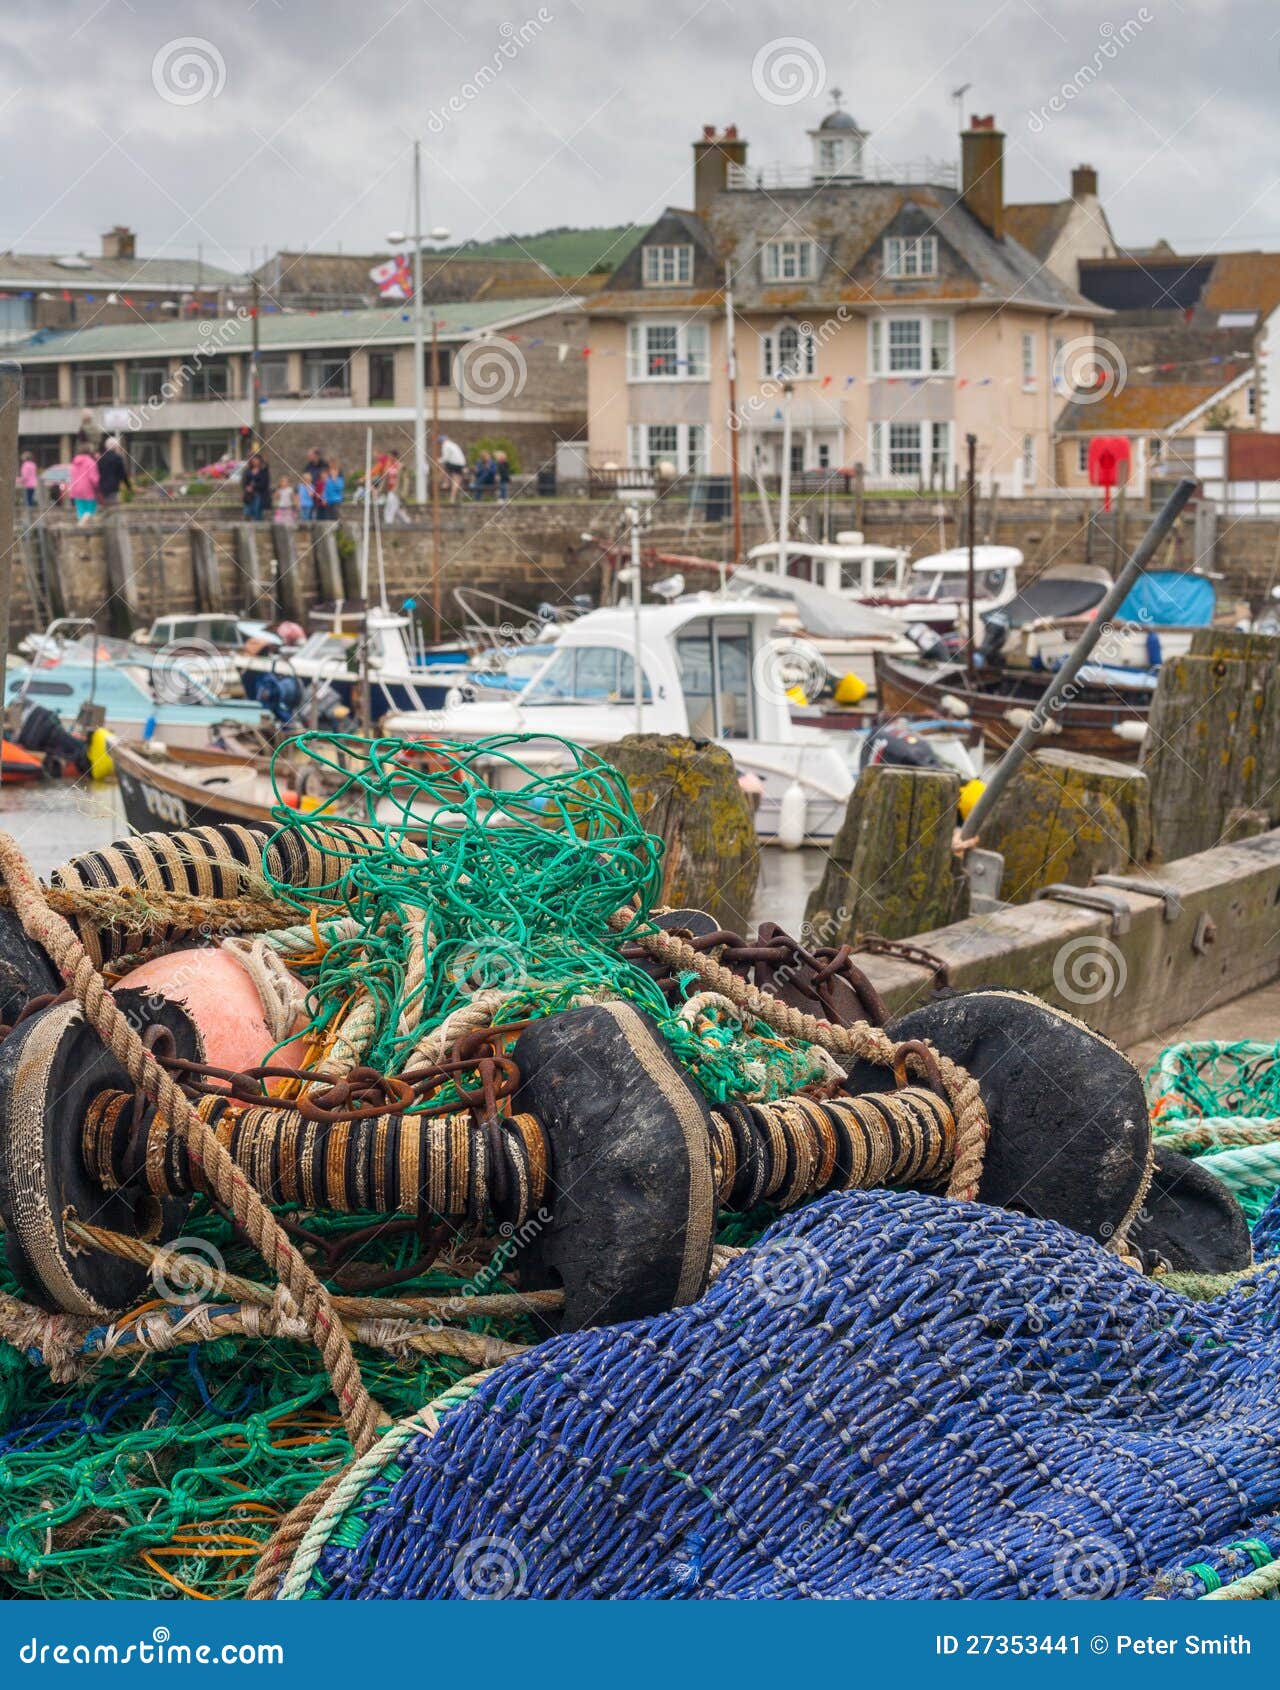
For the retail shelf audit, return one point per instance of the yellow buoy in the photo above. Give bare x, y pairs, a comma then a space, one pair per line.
100, 765
970, 793
850, 689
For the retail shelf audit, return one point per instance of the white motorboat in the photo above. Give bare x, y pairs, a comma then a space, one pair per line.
709, 669
936, 590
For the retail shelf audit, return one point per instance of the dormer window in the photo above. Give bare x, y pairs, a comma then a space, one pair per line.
788, 352
911, 255
787, 261
668, 266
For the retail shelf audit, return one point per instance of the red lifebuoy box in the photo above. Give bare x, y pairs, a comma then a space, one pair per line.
1109, 458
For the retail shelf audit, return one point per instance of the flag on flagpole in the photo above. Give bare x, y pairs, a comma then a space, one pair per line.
394, 278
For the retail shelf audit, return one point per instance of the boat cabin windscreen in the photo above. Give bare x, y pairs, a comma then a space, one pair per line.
715, 676
873, 575
953, 585
587, 674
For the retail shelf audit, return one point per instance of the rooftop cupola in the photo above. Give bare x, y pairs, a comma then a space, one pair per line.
837, 145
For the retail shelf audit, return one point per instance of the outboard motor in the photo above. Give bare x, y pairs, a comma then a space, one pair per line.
899, 748
996, 632
930, 642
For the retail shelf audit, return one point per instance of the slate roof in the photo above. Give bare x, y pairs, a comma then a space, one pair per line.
1138, 409
21, 270
297, 329
847, 222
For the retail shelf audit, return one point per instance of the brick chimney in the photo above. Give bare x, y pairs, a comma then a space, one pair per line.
713, 153
1084, 182
119, 242
982, 173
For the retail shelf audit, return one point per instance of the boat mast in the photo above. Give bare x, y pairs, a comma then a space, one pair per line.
784, 497
731, 354
971, 646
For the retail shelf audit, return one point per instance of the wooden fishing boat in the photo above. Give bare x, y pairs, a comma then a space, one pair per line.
165, 790
1101, 719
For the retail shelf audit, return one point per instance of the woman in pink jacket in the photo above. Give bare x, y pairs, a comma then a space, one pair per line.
82, 485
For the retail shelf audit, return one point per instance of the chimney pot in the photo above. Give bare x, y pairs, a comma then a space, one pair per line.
712, 156
1084, 182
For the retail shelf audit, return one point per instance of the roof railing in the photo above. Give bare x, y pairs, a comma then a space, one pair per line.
934, 172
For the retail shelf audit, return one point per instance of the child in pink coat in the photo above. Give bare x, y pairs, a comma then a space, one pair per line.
82, 485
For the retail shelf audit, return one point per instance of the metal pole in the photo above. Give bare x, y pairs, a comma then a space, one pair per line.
784, 491
971, 649
255, 365
10, 400
368, 512
1017, 753
435, 477
633, 512
419, 374
735, 492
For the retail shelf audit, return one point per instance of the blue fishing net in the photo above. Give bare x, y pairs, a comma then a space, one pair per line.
891, 1395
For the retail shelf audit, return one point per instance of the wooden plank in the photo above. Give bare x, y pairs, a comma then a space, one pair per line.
891, 869
254, 593
289, 595
122, 582
204, 570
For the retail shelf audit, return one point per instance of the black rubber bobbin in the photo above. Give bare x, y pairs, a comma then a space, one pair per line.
51, 1069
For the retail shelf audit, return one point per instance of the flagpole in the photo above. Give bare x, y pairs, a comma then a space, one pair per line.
419, 353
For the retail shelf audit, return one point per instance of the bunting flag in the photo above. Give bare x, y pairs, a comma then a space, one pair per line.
562, 352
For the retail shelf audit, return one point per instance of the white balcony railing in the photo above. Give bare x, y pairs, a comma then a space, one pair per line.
748, 177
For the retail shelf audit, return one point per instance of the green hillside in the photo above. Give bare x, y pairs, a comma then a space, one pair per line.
567, 252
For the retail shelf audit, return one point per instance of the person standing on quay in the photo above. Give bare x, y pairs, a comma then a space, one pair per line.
29, 479
82, 484
255, 483
335, 487
113, 472
453, 461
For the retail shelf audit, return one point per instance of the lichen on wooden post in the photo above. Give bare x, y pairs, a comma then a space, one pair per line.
891, 869
1213, 740
687, 792
1066, 817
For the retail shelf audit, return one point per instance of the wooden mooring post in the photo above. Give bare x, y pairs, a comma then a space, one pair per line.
891, 869
687, 792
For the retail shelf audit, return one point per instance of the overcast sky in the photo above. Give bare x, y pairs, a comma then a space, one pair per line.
287, 123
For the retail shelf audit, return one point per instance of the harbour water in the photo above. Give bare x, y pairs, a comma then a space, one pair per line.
53, 821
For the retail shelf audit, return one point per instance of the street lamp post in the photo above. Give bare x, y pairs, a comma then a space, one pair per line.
397, 237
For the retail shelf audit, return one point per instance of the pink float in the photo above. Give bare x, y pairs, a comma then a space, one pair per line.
219, 993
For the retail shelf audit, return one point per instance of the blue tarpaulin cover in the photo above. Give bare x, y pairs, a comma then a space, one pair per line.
1168, 598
